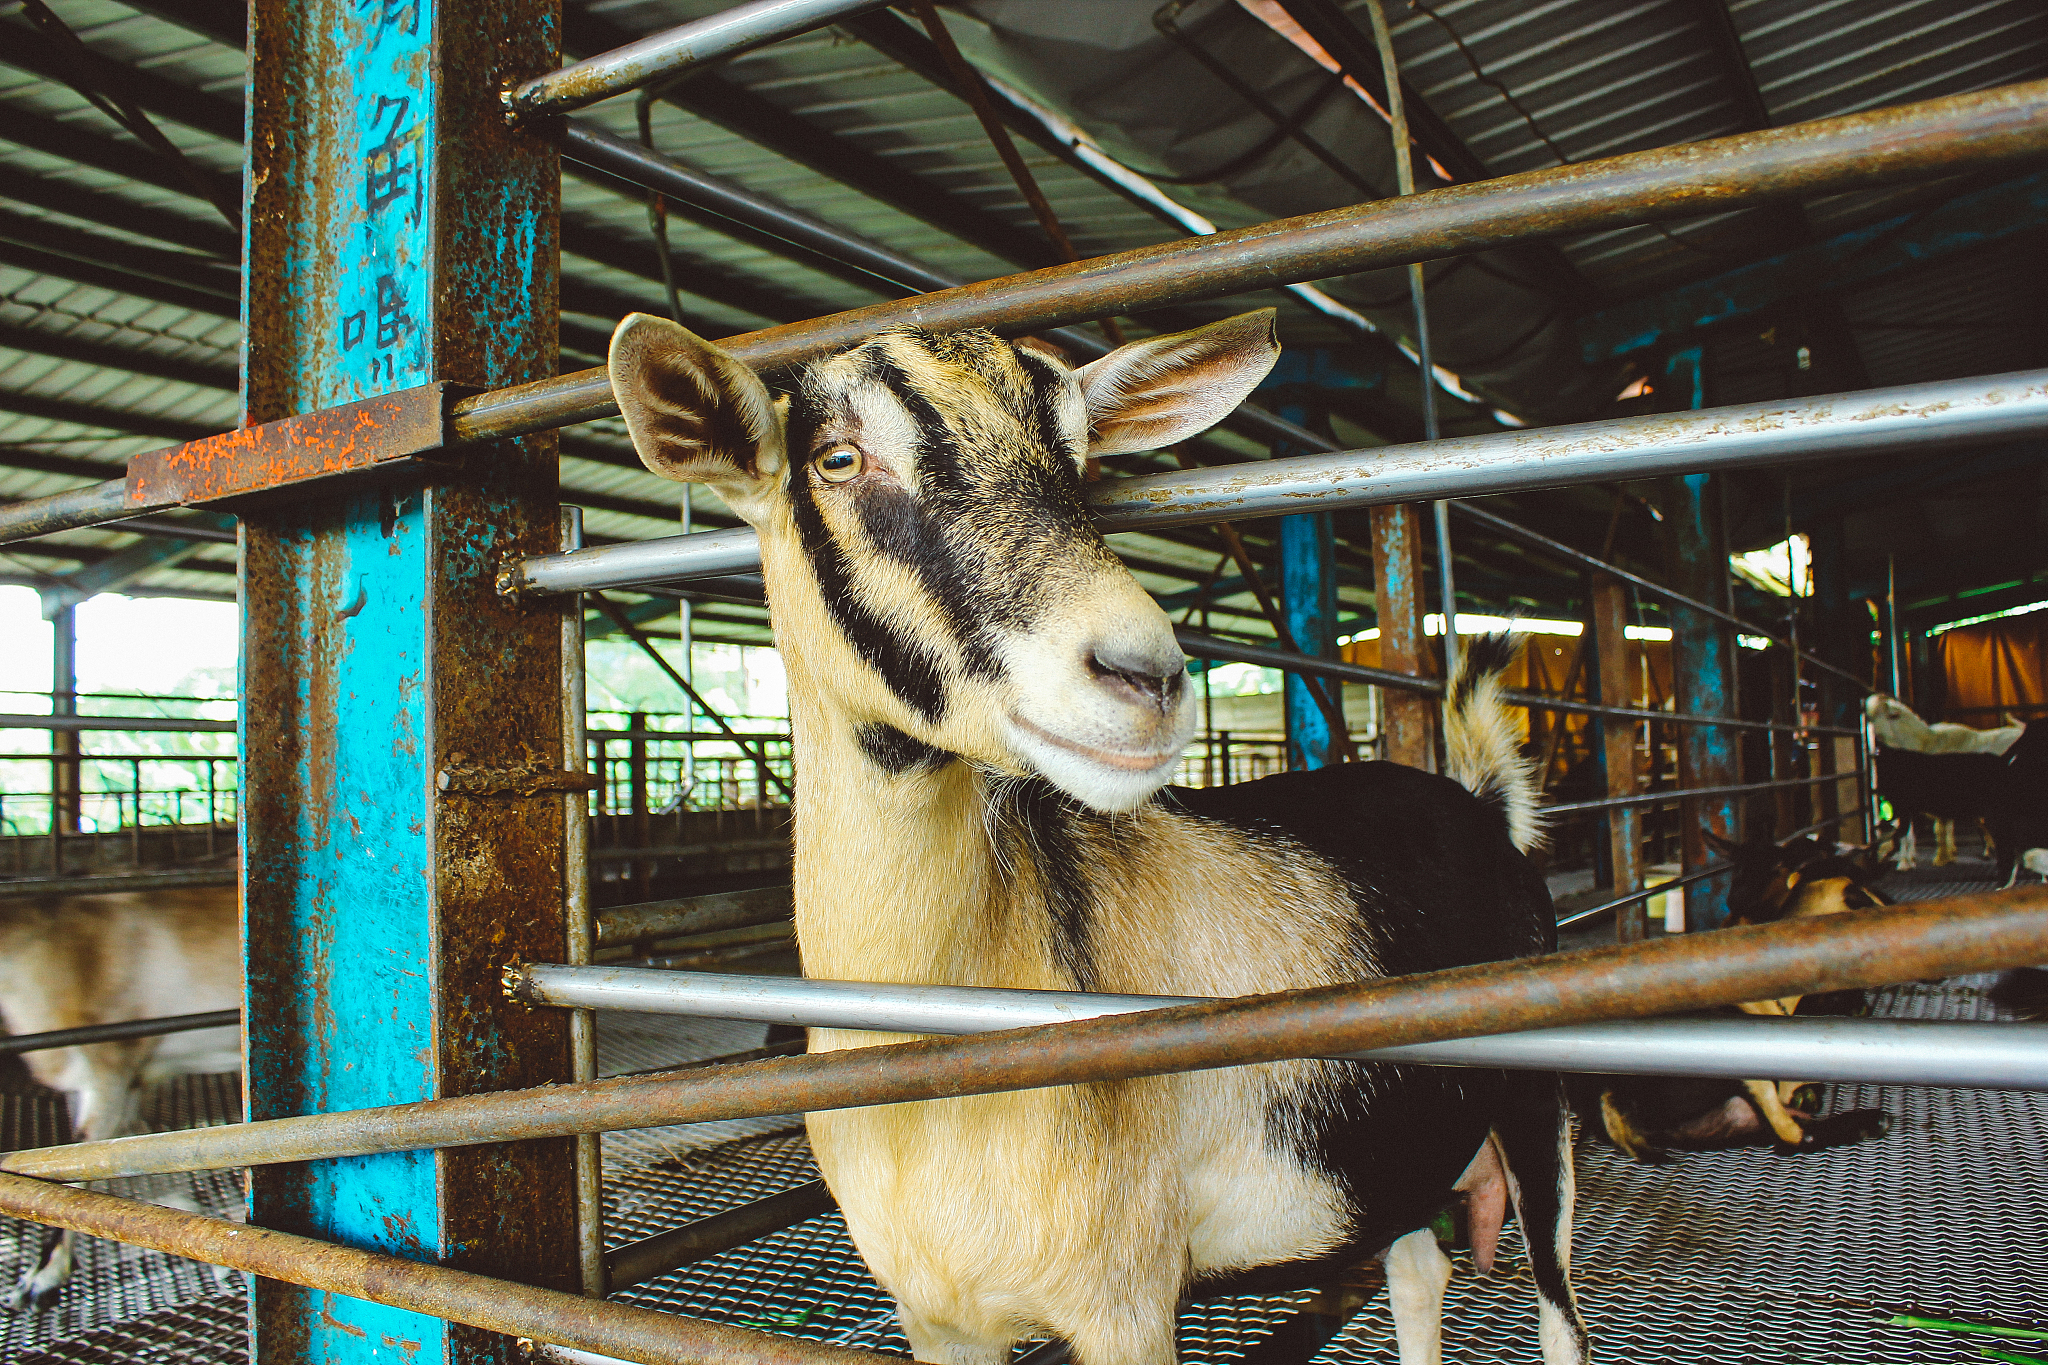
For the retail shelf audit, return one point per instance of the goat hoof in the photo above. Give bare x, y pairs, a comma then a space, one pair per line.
1808, 1098
1839, 1130
31, 1297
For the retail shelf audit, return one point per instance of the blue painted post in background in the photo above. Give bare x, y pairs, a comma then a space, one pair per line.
1308, 593
1308, 583
399, 234
1702, 659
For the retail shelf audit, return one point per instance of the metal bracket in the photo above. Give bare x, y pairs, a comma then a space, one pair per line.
388, 433
530, 778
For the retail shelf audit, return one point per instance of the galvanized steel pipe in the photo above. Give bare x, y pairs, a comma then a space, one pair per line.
1865, 1051
674, 51
1873, 421
1903, 144
1835, 952
519, 1310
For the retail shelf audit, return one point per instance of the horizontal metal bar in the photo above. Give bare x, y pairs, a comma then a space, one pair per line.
1858, 948
116, 883
1658, 798
517, 1310
1871, 1051
692, 915
684, 736
94, 504
172, 724
1697, 875
593, 146
1203, 646
1516, 531
641, 1261
113, 1033
1839, 426
667, 54
1899, 145
627, 855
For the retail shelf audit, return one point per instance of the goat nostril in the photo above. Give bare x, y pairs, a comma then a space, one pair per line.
1140, 675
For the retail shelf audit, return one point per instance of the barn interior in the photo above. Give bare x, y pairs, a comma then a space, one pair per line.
872, 157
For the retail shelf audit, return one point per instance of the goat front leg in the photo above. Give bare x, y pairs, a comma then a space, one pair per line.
39, 1288
1417, 1273
1908, 851
938, 1344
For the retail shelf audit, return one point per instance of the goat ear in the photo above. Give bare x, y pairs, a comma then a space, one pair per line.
1715, 841
695, 413
1152, 393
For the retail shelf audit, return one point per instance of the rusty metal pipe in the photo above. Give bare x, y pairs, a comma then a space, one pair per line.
692, 915
517, 1310
658, 56
1907, 143
652, 1257
1696, 971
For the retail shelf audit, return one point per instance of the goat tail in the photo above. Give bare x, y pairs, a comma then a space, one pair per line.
1482, 753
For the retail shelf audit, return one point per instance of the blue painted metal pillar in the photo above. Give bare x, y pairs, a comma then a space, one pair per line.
1308, 591
399, 234
1702, 660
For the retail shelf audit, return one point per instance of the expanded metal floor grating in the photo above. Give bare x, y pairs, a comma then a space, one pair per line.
1719, 1257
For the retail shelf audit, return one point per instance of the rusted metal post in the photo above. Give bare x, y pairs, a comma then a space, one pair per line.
1410, 724
65, 769
400, 238
1609, 643
1702, 658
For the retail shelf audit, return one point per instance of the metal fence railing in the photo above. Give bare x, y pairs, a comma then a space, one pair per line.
1855, 949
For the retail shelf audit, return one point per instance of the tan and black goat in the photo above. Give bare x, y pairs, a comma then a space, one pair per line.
74, 961
1646, 1116
985, 705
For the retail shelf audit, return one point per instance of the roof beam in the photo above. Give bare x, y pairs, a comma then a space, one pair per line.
120, 281
1850, 258
227, 25
222, 375
194, 273
105, 419
28, 50
1841, 363
111, 210
761, 121
102, 152
117, 571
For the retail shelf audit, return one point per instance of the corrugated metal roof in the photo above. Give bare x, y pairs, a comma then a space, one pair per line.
1521, 85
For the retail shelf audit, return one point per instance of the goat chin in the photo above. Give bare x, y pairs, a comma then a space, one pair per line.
1107, 777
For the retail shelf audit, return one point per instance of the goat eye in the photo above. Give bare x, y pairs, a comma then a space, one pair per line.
839, 464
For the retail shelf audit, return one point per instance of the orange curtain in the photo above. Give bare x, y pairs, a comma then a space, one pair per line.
1995, 666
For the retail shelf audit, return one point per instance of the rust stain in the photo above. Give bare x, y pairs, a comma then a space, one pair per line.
327, 1318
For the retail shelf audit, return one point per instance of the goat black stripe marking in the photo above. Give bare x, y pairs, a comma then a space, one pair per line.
1048, 398
910, 670
915, 536
1035, 815
896, 753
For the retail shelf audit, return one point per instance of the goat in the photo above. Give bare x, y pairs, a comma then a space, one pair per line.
1645, 1116
73, 961
1898, 727
984, 706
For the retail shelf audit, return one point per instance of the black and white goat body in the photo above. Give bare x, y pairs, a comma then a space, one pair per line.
985, 705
